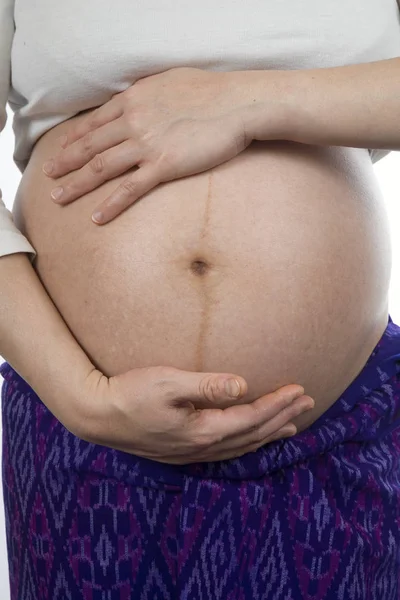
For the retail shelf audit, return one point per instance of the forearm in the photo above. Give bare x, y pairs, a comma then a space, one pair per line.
355, 105
37, 343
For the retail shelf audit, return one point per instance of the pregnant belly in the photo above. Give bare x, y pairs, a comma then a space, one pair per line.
274, 266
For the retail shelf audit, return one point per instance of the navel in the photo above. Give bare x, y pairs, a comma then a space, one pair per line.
199, 267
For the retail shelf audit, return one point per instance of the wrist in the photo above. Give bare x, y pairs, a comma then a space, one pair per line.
266, 102
94, 412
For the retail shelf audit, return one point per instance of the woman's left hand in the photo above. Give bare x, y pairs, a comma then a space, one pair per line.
173, 124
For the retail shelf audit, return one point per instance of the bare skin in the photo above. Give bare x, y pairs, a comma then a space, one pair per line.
274, 266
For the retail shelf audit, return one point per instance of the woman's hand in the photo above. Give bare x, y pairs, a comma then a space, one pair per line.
173, 124
179, 417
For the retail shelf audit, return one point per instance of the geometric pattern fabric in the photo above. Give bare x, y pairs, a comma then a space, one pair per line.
312, 517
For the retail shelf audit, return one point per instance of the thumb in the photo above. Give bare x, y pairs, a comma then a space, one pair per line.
203, 389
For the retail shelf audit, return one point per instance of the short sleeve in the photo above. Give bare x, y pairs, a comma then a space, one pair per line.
11, 239
378, 154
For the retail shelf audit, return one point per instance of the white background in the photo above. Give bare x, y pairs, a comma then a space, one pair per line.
387, 171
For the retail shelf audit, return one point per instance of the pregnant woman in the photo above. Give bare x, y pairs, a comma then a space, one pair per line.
242, 240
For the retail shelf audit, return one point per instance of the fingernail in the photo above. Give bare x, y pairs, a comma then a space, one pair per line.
232, 388
48, 167
309, 405
294, 396
289, 431
57, 193
299, 393
97, 217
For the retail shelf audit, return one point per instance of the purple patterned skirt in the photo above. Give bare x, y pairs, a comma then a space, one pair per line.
312, 517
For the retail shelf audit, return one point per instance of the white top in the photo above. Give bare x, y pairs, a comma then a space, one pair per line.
66, 57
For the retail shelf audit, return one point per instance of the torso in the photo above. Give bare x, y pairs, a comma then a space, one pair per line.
274, 266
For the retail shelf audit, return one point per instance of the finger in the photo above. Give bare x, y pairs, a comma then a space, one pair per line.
130, 190
216, 426
80, 152
201, 389
217, 454
259, 432
269, 431
101, 168
113, 109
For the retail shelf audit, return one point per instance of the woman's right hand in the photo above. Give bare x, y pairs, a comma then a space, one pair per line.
180, 417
